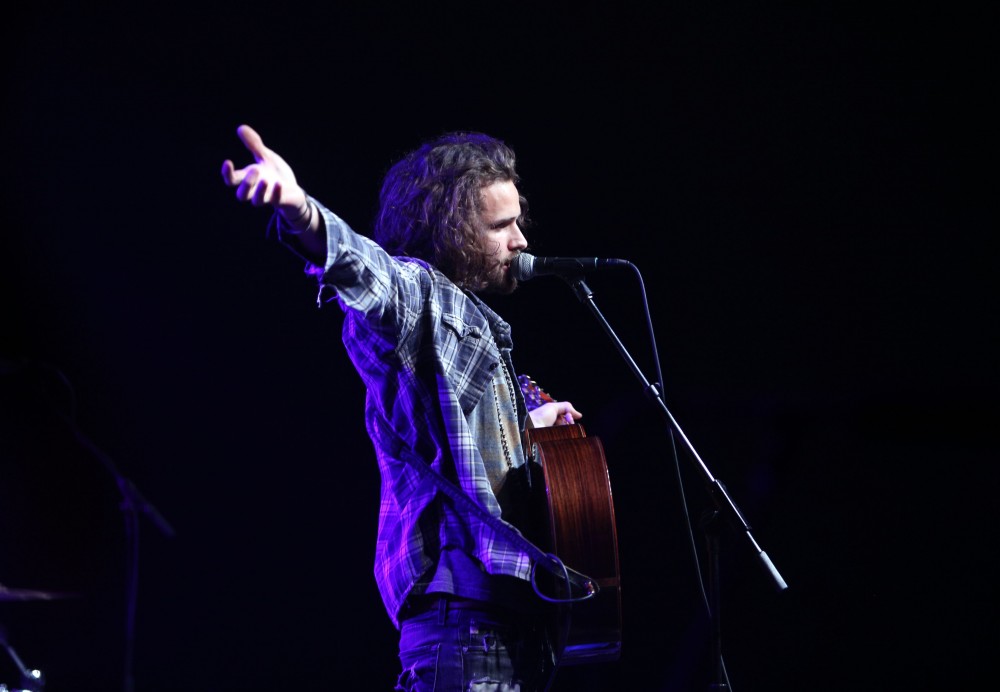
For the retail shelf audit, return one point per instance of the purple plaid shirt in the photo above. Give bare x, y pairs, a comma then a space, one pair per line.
424, 350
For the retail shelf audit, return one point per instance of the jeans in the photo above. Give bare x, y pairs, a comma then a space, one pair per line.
448, 649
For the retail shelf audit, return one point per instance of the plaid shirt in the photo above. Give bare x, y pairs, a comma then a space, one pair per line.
424, 350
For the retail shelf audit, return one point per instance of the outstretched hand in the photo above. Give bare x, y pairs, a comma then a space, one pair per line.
269, 180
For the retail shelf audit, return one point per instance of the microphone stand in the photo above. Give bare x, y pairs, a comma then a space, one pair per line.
133, 503
723, 503
31, 679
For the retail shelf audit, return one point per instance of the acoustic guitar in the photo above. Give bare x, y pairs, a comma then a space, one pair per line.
580, 530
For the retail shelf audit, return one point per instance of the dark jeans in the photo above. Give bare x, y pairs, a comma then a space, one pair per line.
455, 647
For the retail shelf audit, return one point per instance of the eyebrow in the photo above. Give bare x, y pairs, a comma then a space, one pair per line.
502, 222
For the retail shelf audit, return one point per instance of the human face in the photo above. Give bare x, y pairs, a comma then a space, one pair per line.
502, 237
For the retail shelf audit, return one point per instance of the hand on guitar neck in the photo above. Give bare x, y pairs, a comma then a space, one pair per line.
543, 410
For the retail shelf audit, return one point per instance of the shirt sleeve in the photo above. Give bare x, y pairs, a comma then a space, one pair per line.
361, 274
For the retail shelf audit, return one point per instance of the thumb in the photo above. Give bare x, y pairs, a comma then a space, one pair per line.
252, 141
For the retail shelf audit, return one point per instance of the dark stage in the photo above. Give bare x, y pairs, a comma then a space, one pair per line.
802, 188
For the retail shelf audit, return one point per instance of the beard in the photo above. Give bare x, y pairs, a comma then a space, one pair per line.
498, 279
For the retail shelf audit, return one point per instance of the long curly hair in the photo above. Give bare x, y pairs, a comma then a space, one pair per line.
431, 200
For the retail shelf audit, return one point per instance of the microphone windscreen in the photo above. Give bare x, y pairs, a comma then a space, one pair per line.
522, 267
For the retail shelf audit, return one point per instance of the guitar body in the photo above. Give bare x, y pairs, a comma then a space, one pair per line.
582, 533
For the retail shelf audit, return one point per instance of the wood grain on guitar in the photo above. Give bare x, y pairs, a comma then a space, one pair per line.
581, 531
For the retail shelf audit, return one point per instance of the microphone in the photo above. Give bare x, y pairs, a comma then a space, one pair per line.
526, 266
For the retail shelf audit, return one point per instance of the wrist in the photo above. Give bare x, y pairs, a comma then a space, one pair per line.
531, 422
298, 219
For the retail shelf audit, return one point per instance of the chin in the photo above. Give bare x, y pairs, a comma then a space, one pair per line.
504, 285
508, 287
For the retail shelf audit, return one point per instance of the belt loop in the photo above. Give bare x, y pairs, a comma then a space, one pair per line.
442, 610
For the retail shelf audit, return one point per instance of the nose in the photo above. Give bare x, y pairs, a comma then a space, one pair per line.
517, 240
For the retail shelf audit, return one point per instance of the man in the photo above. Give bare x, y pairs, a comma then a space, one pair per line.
443, 408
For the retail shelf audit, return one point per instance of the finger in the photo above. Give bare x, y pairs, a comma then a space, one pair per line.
261, 194
572, 415
569, 410
245, 189
229, 173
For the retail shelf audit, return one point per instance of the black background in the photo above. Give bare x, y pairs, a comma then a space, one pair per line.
803, 189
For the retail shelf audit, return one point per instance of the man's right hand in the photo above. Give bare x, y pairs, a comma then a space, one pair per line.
269, 180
